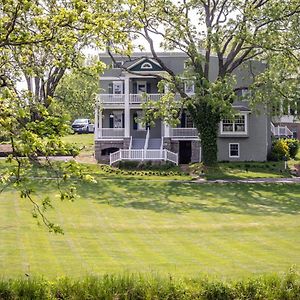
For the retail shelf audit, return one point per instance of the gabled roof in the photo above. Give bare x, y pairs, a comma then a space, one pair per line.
143, 64
241, 108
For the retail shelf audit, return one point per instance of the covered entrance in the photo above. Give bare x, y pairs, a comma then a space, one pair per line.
185, 152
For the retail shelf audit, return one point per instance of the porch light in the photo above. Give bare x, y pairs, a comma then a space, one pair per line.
111, 115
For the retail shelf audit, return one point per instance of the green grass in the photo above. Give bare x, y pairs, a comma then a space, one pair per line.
242, 170
117, 226
84, 141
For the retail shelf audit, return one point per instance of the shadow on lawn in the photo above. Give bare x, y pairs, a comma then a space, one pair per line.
174, 197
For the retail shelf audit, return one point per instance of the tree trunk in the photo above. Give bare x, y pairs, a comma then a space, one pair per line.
207, 123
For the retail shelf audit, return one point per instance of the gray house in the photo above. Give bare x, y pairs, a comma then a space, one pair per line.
120, 136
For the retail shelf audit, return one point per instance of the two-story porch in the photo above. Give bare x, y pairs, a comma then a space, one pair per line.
112, 135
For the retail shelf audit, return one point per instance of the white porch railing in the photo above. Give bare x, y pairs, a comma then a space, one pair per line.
140, 98
133, 98
141, 155
183, 132
281, 131
111, 132
111, 98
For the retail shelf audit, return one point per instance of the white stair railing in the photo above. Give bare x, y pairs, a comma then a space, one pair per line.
281, 131
171, 156
114, 157
147, 139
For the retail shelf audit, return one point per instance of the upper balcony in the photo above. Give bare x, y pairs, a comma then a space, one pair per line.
118, 100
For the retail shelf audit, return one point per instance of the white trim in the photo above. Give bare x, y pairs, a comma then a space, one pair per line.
234, 156
115, 85
143, 59
136, 74
233, 126
111, 78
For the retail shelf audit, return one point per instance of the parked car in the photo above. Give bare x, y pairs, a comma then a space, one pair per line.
83, 126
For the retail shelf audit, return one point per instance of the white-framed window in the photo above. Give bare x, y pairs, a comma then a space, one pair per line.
146, 65
137, 124
234, 150
117, 87
236, 126
186, 64
141, 87
117, 64
189, 87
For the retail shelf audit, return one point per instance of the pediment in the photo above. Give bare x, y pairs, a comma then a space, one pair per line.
145, 65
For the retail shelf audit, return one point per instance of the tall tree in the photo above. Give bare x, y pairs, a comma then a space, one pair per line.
237, 32
76, 92
39, 41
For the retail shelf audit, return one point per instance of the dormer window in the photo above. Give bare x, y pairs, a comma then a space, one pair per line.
146, 66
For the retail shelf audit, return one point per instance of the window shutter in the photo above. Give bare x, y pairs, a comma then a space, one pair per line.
135, 124
110, 88
111, 122
123, 120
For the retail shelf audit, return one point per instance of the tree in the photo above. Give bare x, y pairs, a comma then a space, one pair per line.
238, 32
40, 41
76, 92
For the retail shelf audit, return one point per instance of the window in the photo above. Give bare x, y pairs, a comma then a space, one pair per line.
186, 120
234, 150
117, 64
189, 87
116, 119
137, 124
118, 87
238, 125
141, 87
146, 65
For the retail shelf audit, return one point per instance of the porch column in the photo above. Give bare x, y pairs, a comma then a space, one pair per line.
167, 130
100, 122
126, 108
166, 126
96, 123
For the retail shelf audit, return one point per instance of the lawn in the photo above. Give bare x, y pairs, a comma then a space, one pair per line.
185, 229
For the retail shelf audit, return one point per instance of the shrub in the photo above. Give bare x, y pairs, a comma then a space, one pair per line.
137, 286
280, 150
293, 145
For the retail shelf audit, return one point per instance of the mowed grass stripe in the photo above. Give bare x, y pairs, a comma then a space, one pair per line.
227, 230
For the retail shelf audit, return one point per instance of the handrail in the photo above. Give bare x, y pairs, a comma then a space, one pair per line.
147, 139
279, 131
142, 154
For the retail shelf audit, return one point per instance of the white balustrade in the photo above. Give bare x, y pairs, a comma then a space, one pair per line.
140, 98
183, 132
141, 155
112, 98
112, 132
116, 156
133, 98
281, 131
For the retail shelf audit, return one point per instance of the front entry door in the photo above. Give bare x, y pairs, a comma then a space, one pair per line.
185, 152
